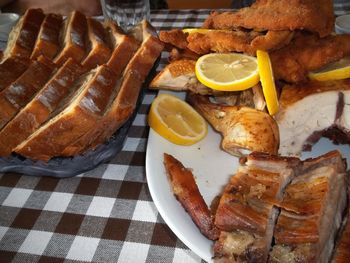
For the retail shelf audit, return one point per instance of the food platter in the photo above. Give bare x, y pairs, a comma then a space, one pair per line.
211, 167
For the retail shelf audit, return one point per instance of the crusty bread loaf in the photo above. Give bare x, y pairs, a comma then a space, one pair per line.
124, 102
21, 91
124, 47
47, 42
10, 69
79, 115
72, 38
99, 52
46, 109
40, 108
134, 75
22, 37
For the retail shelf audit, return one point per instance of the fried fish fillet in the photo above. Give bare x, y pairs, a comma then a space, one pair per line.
311, 15
226, 40
308, 52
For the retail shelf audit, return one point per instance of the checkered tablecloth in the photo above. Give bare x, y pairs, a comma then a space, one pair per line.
104, 215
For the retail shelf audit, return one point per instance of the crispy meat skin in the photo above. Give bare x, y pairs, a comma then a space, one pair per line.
246, 213
311, 213
308, 52
315, 16
187, 193
342, 252
242, 128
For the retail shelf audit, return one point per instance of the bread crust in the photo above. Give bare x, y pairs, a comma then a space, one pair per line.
10, 69
99, 52
81, 115
47, 42
23, 36
40, 108
20, 92
73, 45
124, 102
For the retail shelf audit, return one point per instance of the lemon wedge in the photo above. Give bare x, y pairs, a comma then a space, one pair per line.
176, 121
267, 81
336, 70
227, 71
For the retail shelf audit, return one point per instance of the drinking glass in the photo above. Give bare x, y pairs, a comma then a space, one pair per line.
127, 13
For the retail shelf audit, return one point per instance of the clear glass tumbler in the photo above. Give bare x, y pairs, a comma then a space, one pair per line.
127, 13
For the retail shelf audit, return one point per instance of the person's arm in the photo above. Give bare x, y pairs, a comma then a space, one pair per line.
5, 2
88, 7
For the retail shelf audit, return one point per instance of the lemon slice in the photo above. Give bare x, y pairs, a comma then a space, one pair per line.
202, 30
196, 30
267, 81
227, 71
176, 120
336, 70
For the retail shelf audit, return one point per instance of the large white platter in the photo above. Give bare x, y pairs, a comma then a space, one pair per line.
211, 167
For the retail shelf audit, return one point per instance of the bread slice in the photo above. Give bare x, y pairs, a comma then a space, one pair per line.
21, 91
99, 52
72, 38
124, 102
79, 115
124, 47
10, 69
40, 108
22, 37
47, 42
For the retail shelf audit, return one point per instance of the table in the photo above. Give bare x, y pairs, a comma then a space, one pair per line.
104, 215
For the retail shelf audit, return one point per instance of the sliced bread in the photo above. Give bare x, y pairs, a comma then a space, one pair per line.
10, 69
72, 38
20, 92
124, 47
40, 108
79, 115
99, 51
129, 87
47, 42
22, 38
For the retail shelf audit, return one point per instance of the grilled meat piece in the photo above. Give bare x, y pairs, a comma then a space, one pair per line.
312, 209
179, 75
309, 110
342, 251
244, 129
187, 193
246, 213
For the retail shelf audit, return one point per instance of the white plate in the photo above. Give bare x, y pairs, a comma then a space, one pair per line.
211, 167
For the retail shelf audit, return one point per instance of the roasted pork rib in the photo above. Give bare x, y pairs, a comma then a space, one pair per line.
311, 195
312, 209
246, 213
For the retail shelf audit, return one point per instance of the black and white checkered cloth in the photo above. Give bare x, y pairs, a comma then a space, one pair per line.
341, 7
104, 215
